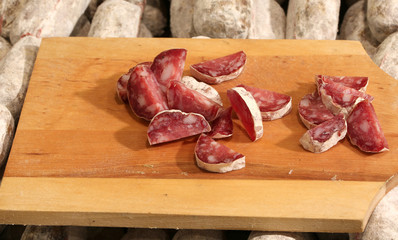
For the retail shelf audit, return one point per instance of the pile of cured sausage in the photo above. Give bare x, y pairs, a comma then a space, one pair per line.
340, 106
179, 107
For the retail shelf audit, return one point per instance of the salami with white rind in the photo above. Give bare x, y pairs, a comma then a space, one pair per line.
326, 135
170, 125
355, 82
382, 18
220, 69
202, 88
312, 111
364, 129
216, 157
223, 126
272, 105
247, 110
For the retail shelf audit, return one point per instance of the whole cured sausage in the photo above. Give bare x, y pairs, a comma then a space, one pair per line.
223, 126
312, 111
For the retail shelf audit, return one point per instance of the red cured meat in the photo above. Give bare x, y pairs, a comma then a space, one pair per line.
222, 127
187, 100
247, 110
312, 111
364, 129
272, 105
220, 69
168, 66
170, 125
215, 157
357, 83
144, 94
121, 86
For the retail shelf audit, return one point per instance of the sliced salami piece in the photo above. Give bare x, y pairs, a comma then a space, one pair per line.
168, 66
223, 126
272, 105
144, 94
325, 135
341, 99
247, 110
187, 100
170, 125
215, 157
312, 111
357, 83
364, 129
121, 86
203, 88
220, 69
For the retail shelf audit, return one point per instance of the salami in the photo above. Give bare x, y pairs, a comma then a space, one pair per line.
202, 88
220, 69
364, 129
170, 125
325, 135
144, 94
223, 126
168, 66
187, 100
272, 105
312, 111
247, 110
357, 83
215, 157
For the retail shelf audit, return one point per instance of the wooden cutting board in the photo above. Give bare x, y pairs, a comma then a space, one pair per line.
80, 157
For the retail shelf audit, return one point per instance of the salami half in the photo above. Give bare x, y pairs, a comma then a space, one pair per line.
168, 66
121, 86
272, 105
312, 111
326, 135
247, 110
223, 126
355, 82
170, 125
202, 88
187, 100
364, 129
144, 94
215, 157
220, 69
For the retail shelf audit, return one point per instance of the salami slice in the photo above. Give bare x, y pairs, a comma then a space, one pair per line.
215, 157
325, 135
247, 110
364, 129
272, 105
170, 125
355, 82
312, 111
220, 69
187, 100
121, 86
341, 99
144, 94
202, 88
223, 126
168, 66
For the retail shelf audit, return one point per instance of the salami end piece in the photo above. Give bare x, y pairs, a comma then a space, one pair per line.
215, 157
312, 111
364, 130
220, 69
202, 88
272, 105
222, 127
326, 135
170, 125
355, 82
247, 110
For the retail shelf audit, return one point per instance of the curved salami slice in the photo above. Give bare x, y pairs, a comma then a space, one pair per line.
187, 100
312, 111
223, 126
357, 83
364, 129
325, 135
341, 99
144, 94
170, 125
215, 157
168, 66
247, 110
272, 105
220, 69
121, 86
202, 88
